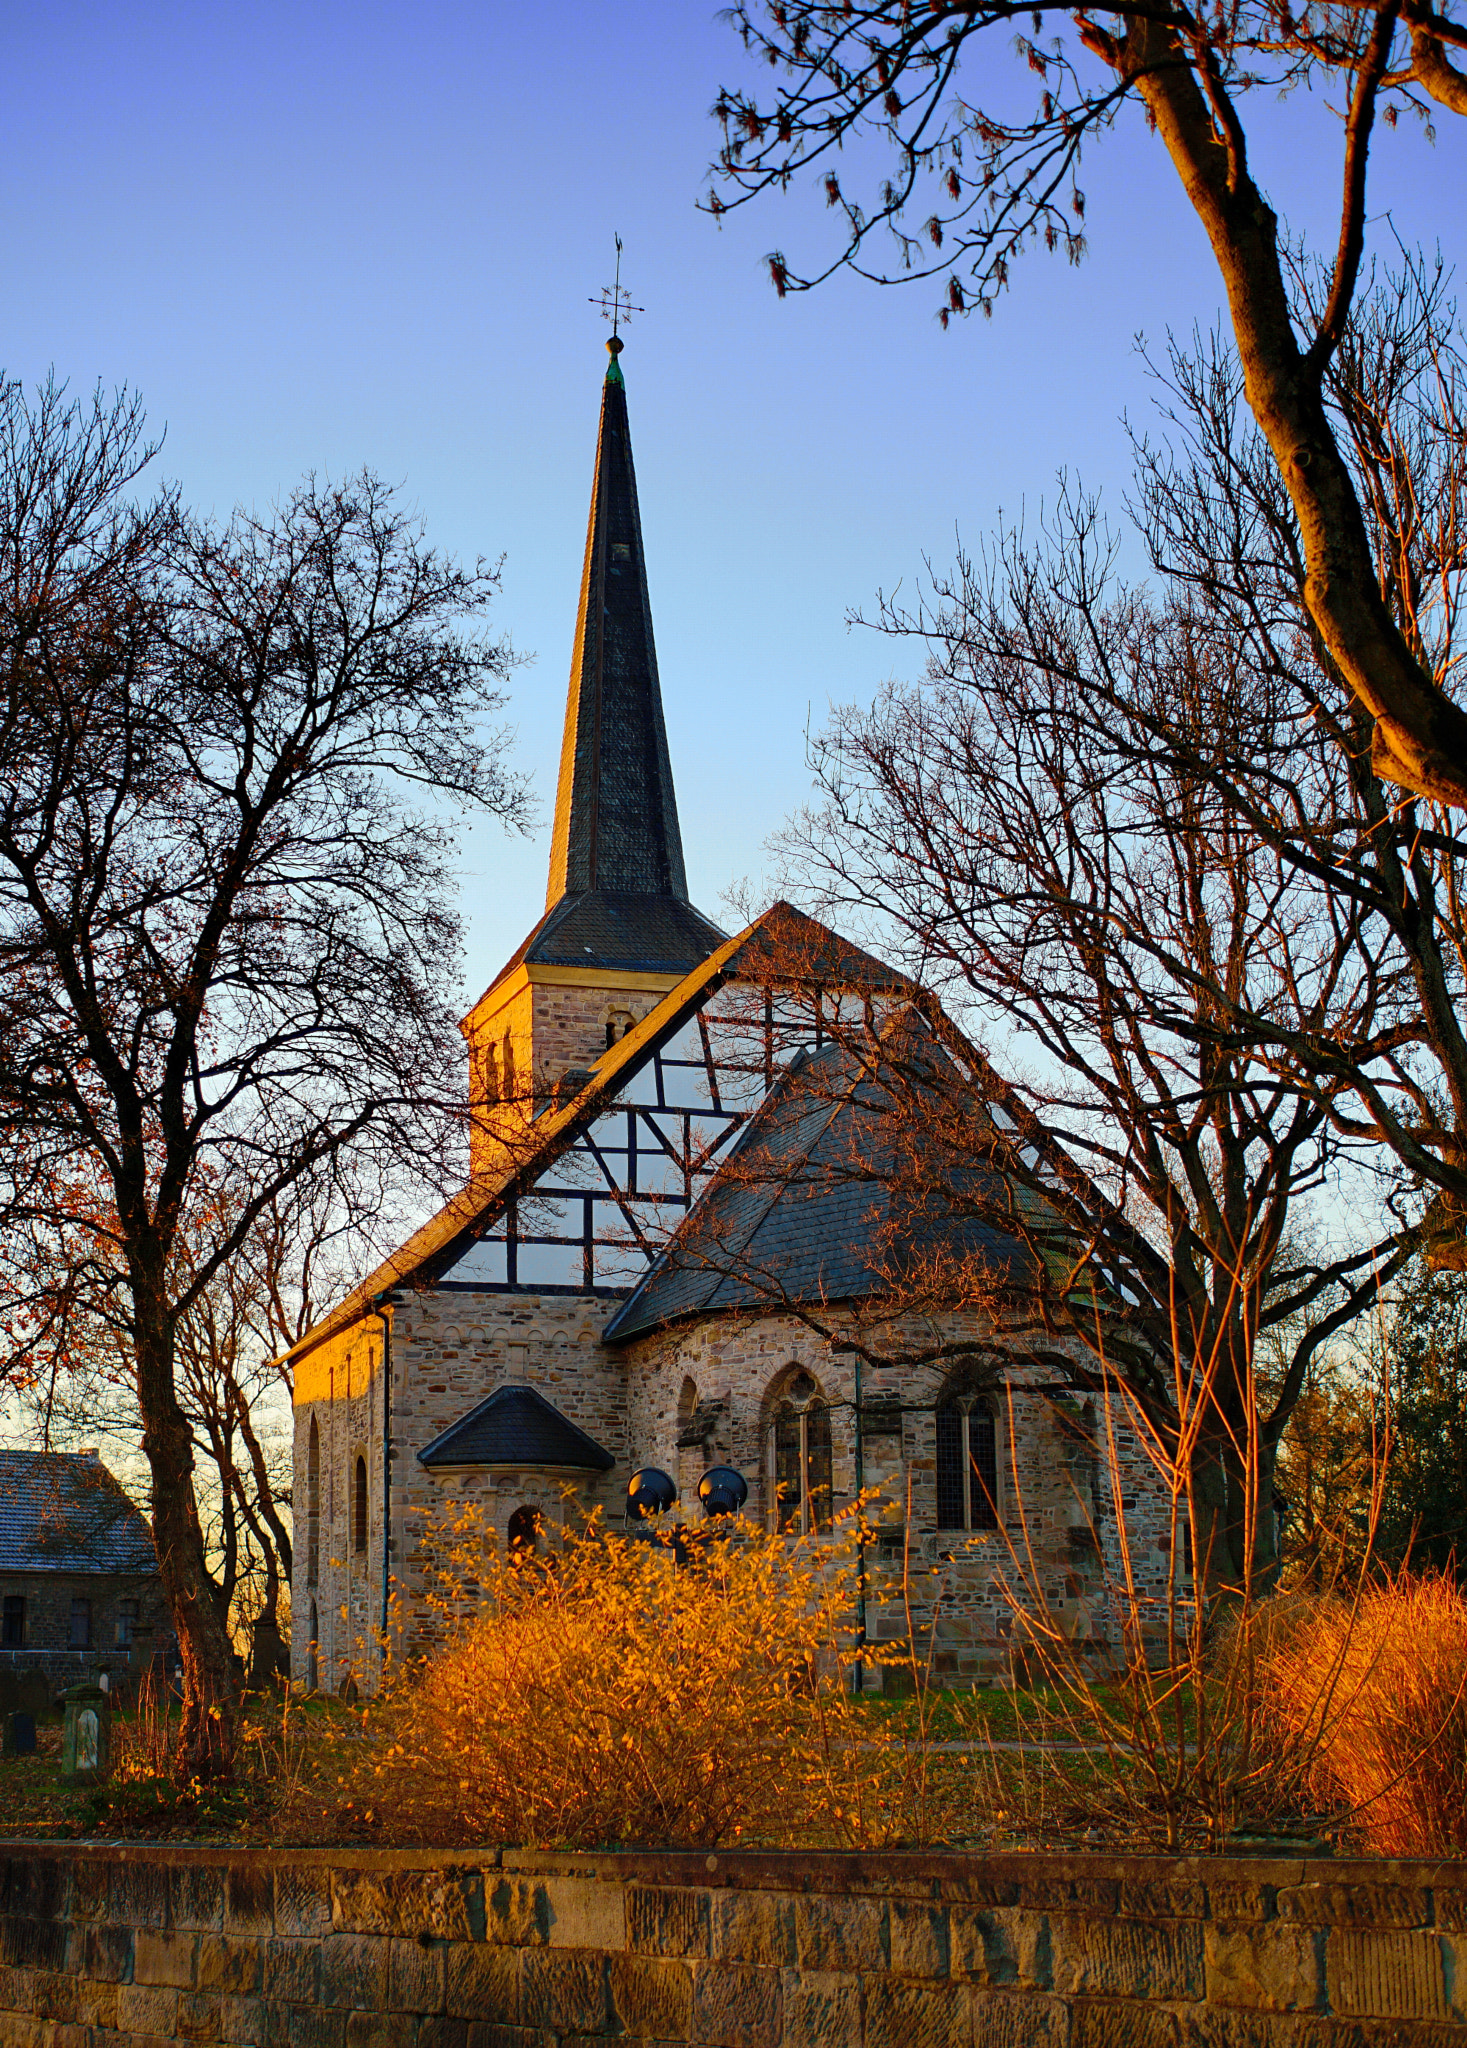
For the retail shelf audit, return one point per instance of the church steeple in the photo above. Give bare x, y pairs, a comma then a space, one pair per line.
616, 825
618, 930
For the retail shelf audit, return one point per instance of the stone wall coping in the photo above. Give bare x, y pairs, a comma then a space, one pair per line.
928, 1873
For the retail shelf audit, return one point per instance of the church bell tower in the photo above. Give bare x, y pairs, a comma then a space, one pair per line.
618, 930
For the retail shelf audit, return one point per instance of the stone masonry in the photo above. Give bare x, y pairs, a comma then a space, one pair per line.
102, 1945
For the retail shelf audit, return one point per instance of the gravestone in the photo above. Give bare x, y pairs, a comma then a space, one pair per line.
20, 1735
86, 1735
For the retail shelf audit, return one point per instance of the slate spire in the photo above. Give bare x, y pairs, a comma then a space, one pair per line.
616, 826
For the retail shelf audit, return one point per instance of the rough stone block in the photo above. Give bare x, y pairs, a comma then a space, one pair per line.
1177, 1899
33, 1944
140, 1894
564, 1990
227, 1962
491, 2035
1385, 1973
735, 2007
242, 2022
91, 1888
586, 1912
198, 2016
1118, 2023
354, 1971
1231, 1898
668, 1923
249, 1899
651, 1996
841, 1934
164, 1957
1017, 2019
753, 1927
310, 2027
821, 2009
1000, 1945
906, 2015
1277, 1966
197, 1895
920, 1941
443, 2033
36, 1888
53, 1996
516, 1911
302, 1901
380, 2030
432, 1902
146, 2009
96, 2005
1449, 1904
1126, 1958
417, 1974
1321, 1904
107, 1953
292, 1971
483, 1983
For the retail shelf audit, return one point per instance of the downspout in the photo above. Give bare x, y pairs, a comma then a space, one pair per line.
384, 1316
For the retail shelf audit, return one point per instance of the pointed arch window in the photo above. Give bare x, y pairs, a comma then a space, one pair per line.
967, 1462
802, 1461
359, 1509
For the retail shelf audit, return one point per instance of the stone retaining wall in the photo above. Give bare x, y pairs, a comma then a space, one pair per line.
105, 1944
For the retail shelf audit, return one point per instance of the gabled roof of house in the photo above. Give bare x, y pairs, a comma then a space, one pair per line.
782, 943
516, 1426
817, 1203
63, 1511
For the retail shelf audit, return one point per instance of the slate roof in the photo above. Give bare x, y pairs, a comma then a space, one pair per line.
64, 1512
809, 1206
516, 1426
616, 823
643, 934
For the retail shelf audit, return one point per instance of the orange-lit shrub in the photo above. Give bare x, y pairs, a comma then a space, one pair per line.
1374, 1693
603, 1694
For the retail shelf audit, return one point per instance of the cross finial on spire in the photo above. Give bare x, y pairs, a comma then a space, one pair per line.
616, 305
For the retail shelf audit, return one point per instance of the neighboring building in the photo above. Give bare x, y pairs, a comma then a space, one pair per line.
78, 1575
539, 1339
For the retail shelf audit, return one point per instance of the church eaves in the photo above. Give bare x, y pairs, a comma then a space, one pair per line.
618, 894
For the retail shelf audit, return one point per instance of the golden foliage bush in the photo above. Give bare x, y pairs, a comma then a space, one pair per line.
1373, 1693
601, 1694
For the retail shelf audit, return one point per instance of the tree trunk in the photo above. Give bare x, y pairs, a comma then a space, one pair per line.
1234, 1534
210, 1694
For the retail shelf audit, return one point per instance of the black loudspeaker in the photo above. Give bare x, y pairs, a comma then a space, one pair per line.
650, 1493
722, 1490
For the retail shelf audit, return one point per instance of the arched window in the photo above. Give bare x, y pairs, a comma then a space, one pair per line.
802, 1479
523, 1533
967, 1462
313, 1504
618, 1024
313, 1655
359, 1509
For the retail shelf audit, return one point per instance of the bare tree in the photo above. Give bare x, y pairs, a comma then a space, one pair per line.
961, 185
227, 939
1112, 914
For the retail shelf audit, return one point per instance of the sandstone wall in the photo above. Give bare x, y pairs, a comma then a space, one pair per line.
103, 1945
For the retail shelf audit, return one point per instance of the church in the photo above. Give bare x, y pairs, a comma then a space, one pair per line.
664, 1258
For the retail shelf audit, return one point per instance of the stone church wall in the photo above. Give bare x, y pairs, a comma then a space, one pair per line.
1058, 1542
703, 1394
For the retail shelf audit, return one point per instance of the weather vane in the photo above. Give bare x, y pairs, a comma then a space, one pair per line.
616, 304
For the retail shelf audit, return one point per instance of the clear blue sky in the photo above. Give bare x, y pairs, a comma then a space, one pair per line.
321, 236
